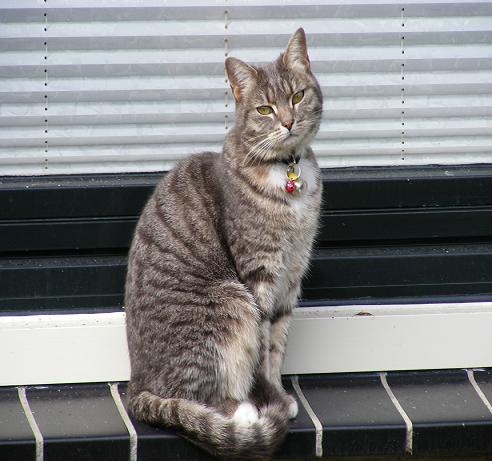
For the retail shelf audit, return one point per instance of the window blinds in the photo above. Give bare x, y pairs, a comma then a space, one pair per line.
99, 86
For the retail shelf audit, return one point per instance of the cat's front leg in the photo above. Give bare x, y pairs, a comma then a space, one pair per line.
278, 342
273, 329
280, 322
278, 336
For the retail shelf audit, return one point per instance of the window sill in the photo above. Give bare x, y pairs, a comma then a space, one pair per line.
86, 348
371, 414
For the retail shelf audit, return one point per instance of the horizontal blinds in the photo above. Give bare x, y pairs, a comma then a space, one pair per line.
120, 86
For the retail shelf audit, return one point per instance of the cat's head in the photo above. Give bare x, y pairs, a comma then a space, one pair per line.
278, 106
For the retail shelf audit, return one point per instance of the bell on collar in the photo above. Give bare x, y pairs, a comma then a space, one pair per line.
294, 182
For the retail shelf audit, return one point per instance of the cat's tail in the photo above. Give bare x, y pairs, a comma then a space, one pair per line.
222, 436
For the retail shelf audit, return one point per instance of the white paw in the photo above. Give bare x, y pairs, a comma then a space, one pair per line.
246, 414
293, 408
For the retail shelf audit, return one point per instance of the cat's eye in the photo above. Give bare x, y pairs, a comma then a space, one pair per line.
264, 110
297, 98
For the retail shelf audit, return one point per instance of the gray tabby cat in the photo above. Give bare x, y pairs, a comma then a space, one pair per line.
216, 264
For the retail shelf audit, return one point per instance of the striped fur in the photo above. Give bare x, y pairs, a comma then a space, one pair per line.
218, 434
215, 269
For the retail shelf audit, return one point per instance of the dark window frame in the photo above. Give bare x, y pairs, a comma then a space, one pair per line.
388, 235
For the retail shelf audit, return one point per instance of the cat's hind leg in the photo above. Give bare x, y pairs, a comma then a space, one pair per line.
239, 350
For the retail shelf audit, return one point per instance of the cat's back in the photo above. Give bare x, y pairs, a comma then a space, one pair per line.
178, 236
192, 180
190, 187
189, 191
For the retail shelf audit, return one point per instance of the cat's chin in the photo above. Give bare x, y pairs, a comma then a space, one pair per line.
293, 142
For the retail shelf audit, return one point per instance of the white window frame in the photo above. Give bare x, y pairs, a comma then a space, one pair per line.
79, 348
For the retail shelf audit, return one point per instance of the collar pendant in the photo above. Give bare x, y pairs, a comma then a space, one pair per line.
294, 183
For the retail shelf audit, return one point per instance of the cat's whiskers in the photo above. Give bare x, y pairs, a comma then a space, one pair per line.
260, 149
259, 153
262, 154
251, 155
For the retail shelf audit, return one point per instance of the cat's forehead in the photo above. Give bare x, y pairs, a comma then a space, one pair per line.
276, 82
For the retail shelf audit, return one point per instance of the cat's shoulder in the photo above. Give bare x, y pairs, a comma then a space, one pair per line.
199, 161
191, 168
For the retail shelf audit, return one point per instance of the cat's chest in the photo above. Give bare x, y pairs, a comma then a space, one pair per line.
301, 219
303, 202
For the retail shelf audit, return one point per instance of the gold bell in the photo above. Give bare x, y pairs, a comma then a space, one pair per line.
292, 174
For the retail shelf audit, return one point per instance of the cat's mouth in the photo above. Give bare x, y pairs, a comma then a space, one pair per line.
291, 138
289, 135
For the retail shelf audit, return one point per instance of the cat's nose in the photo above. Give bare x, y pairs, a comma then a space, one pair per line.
288, 124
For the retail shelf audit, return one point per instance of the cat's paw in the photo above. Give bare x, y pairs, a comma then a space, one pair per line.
246, 414
293, 407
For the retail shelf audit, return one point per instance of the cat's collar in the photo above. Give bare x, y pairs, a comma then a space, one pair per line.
292, 158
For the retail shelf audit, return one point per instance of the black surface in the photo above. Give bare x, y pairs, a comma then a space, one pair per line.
301, 440
339, 275
16, 438
484, 380
411, 223
414, 233
100, 211
400, 271
447, 414
80, 423
74, 196
407, 187
66, 234
336, 228
357, 415
344, 188
62, 282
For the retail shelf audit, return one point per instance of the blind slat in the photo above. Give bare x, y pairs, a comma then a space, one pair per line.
215, 110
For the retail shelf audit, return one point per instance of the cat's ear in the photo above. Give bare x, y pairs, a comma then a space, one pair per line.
295, 55
240, 75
